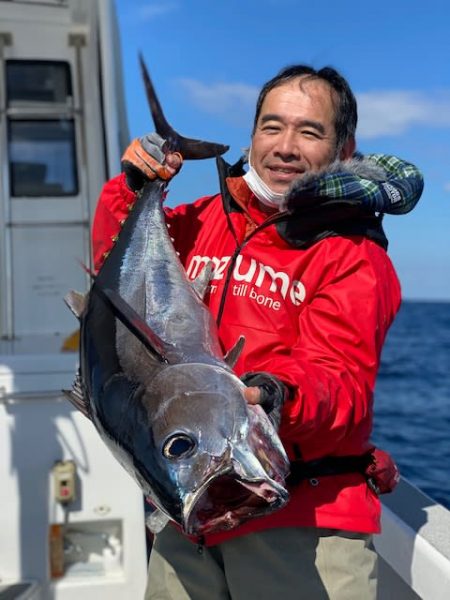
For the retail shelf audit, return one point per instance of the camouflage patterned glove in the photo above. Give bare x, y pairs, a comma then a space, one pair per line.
377, 182
144, 160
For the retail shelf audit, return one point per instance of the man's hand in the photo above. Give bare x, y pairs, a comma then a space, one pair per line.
267, 391
146, 159
252, 395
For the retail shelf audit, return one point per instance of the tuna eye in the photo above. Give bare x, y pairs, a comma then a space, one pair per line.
179, 445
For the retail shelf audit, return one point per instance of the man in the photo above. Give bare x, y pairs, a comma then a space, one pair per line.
301, 271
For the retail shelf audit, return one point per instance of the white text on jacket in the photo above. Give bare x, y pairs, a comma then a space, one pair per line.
250, 272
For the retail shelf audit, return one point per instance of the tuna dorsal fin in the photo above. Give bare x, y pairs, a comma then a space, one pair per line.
189, 148
201, 282
231, 357
76, 301
77, 397
132, 321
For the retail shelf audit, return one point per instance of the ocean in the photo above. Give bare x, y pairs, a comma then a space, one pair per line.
412, 397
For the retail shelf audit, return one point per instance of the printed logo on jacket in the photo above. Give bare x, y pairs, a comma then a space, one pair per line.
252, 279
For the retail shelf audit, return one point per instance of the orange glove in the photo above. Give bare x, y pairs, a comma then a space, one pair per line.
145, 159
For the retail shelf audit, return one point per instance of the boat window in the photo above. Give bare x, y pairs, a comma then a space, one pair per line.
38, 81
42, 157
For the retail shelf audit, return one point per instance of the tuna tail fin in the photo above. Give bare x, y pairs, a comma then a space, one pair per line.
132, 321
188, 148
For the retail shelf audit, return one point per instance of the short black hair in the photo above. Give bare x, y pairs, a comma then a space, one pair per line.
346, 112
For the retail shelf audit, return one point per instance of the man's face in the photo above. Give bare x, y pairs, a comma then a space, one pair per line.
295, 132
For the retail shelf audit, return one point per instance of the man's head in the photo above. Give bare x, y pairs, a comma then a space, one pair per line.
305, 119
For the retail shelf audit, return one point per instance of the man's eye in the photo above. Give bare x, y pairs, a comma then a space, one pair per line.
311, 133
270, 128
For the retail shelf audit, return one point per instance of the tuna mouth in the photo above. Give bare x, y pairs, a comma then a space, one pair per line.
227, 502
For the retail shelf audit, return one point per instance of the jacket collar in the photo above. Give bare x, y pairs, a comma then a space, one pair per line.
306, 222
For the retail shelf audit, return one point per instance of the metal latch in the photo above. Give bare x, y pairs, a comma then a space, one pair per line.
64, 480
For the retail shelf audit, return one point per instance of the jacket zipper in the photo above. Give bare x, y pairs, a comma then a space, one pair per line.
267, 223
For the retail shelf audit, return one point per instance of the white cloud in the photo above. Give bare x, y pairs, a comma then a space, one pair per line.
447, 187
151, 10
234, 101
394, 112
382, 113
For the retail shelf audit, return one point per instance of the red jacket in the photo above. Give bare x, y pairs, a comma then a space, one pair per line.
315, 317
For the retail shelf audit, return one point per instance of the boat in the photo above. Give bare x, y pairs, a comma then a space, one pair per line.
72, 521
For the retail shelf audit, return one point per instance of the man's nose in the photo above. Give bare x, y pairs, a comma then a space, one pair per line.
287, 146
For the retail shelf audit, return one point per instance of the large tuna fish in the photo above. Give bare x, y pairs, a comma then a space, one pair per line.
155, 383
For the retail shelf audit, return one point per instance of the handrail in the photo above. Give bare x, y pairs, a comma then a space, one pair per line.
16, 397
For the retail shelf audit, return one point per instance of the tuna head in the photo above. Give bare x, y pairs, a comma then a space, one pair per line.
217, 462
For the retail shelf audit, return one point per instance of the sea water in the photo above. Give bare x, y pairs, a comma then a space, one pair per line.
412, 397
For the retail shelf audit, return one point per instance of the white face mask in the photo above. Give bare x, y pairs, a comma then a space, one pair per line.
261, 190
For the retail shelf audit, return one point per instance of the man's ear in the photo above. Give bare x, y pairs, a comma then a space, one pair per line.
348, 149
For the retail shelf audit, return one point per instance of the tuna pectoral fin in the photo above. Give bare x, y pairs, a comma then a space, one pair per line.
232, 356
132, 321
77, 397
76, 301
189, 148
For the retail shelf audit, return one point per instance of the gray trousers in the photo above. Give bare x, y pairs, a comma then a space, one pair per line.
290, 563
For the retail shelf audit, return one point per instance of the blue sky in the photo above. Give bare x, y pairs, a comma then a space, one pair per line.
208, 59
